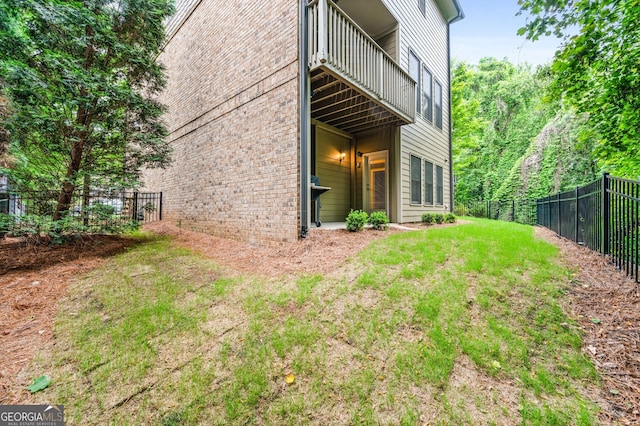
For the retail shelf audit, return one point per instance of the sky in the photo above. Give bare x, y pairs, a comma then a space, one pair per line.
490, 29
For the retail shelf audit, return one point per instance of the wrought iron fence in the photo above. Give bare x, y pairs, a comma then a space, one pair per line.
602, 215
97, 212
521, 211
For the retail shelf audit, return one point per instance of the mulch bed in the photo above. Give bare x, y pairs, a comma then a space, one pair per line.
606, 304
33, 277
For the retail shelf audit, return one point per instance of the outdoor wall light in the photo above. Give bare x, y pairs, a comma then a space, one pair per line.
342, 156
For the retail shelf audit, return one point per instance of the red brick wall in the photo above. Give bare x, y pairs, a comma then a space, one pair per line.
233, 115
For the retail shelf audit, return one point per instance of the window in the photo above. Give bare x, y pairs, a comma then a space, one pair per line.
421, 5
439, 186
416, 179
438, 102
428, 182
414, 72
427, 94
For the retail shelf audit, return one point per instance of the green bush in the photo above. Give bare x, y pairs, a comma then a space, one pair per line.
428, 218
379, 220
356, 220
461, 210
101, 211
478, 210
439, 217
450, 218
6, 224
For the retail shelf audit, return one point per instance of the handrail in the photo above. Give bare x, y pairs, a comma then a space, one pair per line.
338, 43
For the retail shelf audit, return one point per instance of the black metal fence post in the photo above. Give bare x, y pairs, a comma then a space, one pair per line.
605, 213
134, 213
160, 208
577, 215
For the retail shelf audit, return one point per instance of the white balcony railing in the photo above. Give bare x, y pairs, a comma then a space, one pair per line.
340, 45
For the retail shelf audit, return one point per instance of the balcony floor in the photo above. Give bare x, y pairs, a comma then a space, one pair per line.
342, 105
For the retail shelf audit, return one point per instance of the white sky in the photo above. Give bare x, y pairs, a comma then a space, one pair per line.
489, 29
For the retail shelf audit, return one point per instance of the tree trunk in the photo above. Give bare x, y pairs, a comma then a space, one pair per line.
69, 182
83, 118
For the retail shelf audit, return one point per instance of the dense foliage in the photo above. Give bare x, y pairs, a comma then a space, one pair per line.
523, 133
81, 79
512, 140
596, 70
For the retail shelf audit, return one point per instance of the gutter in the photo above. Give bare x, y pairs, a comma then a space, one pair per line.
458, 17
459, 13
305, 178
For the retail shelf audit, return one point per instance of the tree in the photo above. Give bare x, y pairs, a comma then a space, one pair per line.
82, 82
596, 70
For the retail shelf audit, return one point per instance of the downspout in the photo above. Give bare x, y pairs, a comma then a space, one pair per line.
304, 120
459, 16
451, 185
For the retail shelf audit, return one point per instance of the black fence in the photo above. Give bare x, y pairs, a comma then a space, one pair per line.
521, 211
603, 215
97, 212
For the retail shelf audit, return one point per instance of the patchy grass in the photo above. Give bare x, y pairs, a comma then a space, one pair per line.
457, 325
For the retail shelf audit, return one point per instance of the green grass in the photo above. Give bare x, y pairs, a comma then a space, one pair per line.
457, 325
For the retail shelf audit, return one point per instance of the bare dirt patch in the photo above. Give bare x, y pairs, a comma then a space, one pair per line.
606, 304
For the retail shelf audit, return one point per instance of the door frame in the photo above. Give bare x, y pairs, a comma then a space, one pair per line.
366, 173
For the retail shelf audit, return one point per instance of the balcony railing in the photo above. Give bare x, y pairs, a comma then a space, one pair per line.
341, 46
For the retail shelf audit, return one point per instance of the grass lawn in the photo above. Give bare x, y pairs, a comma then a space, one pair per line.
457, 325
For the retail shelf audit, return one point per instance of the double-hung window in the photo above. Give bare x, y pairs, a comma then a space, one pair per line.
438, 105
421, 5
428, 182
439, 186
414, 72
416, 180
427, 93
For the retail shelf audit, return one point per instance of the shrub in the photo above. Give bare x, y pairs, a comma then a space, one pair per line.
101, 211
6, 224
450, 218
461, 210
356, 220
379, 220
428, 218
478, 210
439, 217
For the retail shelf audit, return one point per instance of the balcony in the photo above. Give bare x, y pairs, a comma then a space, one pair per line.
356, 86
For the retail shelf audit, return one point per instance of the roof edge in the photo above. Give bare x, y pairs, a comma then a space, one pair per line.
451, 10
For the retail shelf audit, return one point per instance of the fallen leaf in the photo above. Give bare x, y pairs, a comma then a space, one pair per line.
592, 349
39, 384
614, 392
495, 364
595, 320
290, 378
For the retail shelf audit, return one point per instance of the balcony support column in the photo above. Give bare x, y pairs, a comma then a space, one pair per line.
322, 30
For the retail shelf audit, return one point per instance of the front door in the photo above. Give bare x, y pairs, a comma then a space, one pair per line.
376, 182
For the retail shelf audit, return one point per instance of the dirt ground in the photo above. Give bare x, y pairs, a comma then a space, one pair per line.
34, 278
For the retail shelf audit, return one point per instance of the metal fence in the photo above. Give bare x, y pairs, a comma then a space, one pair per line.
521, 211
602, 215
98, 212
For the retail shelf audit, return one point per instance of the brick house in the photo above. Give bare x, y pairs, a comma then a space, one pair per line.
264, 95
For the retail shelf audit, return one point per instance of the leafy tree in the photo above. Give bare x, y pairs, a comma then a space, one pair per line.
497, 111
512, 138
82, 80
596, 70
